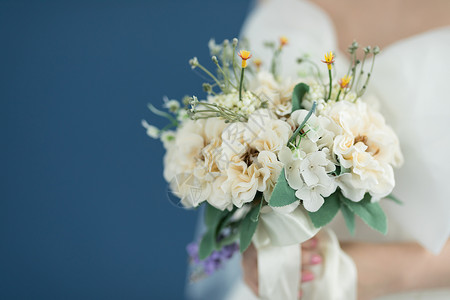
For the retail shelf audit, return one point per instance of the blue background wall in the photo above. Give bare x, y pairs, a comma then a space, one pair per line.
83, 208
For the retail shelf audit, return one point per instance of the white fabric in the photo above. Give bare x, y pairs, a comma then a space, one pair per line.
276, 240
334, 278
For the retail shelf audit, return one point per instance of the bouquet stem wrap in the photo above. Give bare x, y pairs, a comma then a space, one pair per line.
277, 240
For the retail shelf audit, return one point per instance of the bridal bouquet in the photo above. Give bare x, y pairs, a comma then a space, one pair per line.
274, 159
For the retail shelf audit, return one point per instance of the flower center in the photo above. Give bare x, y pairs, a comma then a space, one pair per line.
372, 149
249, 156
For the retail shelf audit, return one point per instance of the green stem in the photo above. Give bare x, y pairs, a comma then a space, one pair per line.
161, 113
362, 71
233, 64
331, 84
294, 135
240, 84
363, 89
274, 62
210, 75
225, 77
339, 93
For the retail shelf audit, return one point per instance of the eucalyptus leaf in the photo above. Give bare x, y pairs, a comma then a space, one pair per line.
229, 239
327, 212
297, 95
282, 194
207, 244
213, 216
370, 213
248, 227
349, 218
226, 216
395, 199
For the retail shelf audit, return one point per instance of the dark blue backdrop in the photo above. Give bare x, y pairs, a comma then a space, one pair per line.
83, 210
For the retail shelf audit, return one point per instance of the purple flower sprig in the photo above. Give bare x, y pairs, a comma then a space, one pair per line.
213, 262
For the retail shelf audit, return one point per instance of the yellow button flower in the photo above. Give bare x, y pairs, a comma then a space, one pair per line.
257, 63
329, 59
283, 41
344, 81
244, 54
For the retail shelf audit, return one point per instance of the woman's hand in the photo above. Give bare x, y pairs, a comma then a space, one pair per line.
310, 256
397, 267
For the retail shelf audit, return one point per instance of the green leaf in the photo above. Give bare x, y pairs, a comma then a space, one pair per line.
207, 244
229, 239
213, 216
395, 199
327, 212
341, 170
370, 213
297, 131
215, 221
349, 217
297, 95
282, 194
224, 220
248, 227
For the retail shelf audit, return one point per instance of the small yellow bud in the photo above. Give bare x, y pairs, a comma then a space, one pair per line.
257, 63
283, 41
344, 81
244, 54
329, 59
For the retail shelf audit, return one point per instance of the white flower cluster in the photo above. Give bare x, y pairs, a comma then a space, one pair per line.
309, 163
345, 144
317, 93
249, 103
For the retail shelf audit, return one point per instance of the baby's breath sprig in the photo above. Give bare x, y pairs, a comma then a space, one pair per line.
205, 110
233, 60
318, 75
195, 63
361, 73
224, 74
375, 51
276, 54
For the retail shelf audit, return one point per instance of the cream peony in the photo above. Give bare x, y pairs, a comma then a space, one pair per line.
190, 163
277, 94
265, 132
367, 146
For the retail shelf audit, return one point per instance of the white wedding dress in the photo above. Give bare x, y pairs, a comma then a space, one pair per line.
411, 80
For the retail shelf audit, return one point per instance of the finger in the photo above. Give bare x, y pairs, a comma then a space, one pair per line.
307, 276
300, 294
311, 243
310, 258
250, 268
252, 284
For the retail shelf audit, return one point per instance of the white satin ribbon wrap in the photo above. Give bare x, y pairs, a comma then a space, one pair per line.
277, 240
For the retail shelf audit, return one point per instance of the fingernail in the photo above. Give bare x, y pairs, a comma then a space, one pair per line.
307, 277
316, 259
